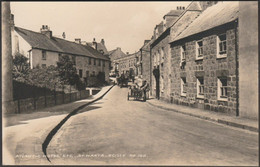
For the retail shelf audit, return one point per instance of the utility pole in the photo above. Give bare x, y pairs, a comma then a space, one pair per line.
7, 65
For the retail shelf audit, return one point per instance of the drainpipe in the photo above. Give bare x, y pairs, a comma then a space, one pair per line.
151, 70
236, 58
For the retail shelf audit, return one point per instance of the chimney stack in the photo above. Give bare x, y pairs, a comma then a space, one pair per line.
94, 44
78, 40
12, 22
127, 53
63, 35
46, 31
103, 42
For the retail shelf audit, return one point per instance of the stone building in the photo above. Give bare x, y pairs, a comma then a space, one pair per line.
145, 64
127, 64
204, 60
43, 49
114, 56
160, 49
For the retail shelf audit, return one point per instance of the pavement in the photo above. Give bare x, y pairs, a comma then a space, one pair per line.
222, 118
23, 134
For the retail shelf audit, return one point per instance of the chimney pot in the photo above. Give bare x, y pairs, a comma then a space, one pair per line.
63, 35
78, 40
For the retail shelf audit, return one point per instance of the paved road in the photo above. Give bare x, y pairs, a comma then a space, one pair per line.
117, 131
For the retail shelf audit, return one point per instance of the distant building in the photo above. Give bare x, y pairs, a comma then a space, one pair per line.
127, 64
144, 64
114, 56
43, 49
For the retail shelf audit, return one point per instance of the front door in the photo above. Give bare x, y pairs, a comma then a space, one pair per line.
156, 73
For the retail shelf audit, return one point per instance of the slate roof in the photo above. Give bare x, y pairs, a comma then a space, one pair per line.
116, 54
41, 41
216, 15
100, 46
174, 13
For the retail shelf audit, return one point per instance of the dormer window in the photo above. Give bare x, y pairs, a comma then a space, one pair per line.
222, 46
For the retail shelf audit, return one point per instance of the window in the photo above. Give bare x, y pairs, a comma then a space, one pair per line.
73, 59
43, 65
89, 60
87, 73
93, 73
183, 87
99, 62
44, 55
183, 53
199, 50
162, 84
222, 89
222, 46
94, 61
60, 55
200, 87
162, 54
80, 73
104, 63
183, 57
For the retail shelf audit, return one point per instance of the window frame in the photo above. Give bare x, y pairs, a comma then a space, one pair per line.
44, 55
183, 53
80, 73
183, 84
89, 61
198, 47
87, 73
221, 88
200, 87
224, 54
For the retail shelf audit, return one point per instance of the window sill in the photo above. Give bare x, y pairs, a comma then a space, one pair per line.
200, 97
198, 58
183, 95
221, 56
222, 99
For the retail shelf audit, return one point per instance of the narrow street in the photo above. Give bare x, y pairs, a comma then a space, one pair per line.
116, 131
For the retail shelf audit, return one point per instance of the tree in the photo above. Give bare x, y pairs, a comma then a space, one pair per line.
67, 71
44, 77
20, 63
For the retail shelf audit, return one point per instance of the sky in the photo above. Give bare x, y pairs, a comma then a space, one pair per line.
120, 24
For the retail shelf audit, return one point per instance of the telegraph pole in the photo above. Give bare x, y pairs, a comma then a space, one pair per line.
7, 79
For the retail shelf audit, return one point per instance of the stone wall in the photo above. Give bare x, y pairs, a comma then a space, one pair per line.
210, 67
248, 59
